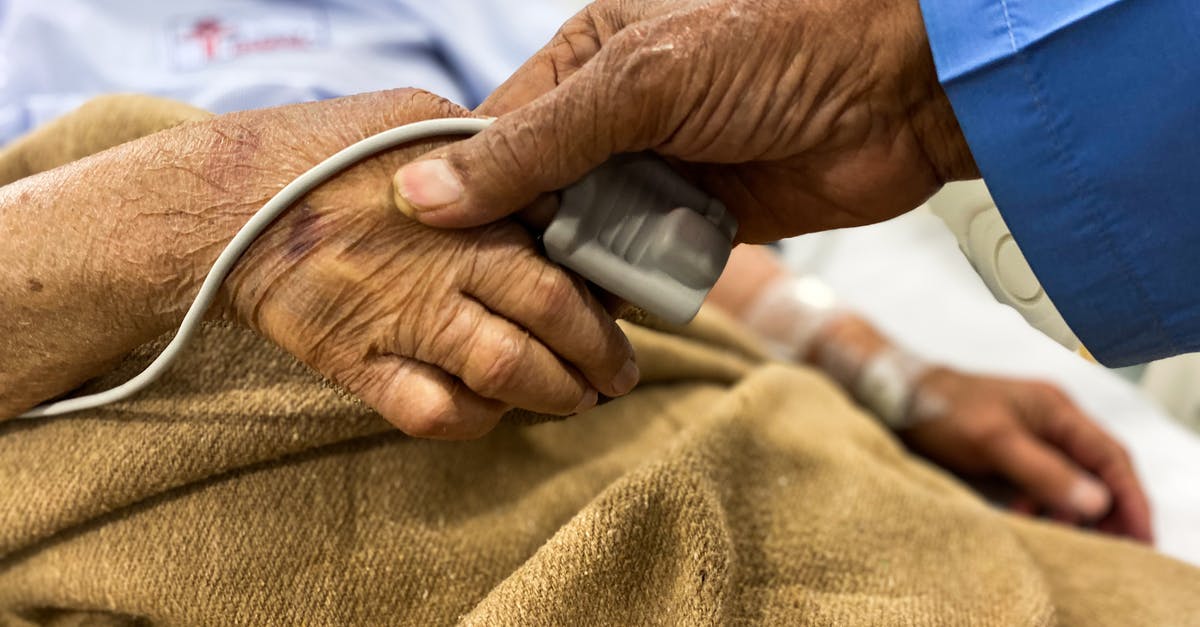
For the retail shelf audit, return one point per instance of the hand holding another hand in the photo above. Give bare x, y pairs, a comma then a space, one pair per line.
440, 331
800, 116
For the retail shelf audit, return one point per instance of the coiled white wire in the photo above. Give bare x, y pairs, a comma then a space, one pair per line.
245, 238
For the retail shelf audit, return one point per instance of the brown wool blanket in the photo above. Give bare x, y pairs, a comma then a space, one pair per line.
241, 490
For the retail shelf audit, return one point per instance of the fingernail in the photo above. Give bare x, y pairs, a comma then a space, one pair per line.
626, 379
426, 185
1090, 498
588, 401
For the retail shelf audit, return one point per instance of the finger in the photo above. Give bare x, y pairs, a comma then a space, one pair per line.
1049, 477
1024, 505
1131, 515
1118, 525
1066, 426
558, 309
423, 401
1066, 517
500, 361
572, 46
577, 42
541, 147
362, 115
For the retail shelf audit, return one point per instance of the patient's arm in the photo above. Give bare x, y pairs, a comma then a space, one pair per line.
436, 330
1027, 432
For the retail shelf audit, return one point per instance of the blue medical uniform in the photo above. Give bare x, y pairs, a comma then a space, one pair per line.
1083, 115
1084, 118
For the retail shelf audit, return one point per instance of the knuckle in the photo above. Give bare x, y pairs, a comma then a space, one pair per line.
413, 102
437, 419
982, 432
434, 330
553, 292
630, 61
1122, 455
575, 43
642, 69
998, 441
449, 333
476, 428
496, 255
502, 242
512, 145
647, 51
502, 365
447, 413
1054, 393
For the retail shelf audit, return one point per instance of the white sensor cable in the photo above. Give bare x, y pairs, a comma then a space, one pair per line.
245, 237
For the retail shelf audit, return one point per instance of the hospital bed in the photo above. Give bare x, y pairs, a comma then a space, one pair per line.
909, 277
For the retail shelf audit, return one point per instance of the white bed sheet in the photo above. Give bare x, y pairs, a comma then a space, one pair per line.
908, 277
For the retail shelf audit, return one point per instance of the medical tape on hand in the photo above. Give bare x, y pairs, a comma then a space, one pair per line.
790, 313
886, 385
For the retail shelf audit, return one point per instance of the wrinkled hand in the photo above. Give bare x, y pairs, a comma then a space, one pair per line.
1031, 434
799, 115
440, 331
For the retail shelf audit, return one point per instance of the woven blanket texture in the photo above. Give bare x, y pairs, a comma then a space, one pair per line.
243, 490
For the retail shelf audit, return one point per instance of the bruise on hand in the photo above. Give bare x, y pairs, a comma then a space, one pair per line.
305, 230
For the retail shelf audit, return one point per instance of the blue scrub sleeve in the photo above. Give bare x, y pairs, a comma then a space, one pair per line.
1084, 119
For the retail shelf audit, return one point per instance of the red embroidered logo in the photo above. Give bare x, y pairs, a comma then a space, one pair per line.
209, 33
207, 39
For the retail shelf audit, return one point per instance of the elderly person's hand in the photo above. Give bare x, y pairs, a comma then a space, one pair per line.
800, 115
441, 332
1031, 434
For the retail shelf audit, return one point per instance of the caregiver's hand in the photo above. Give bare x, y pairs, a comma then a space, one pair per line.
1033, 435
440, 331
800, 115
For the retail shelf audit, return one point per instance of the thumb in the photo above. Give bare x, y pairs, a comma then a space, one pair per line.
541, 147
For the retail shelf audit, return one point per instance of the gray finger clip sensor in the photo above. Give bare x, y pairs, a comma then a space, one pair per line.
639, 230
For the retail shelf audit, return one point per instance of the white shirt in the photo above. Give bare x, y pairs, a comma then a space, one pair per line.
225, 55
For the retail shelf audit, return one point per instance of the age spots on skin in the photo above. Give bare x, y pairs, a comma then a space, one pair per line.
35, 285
